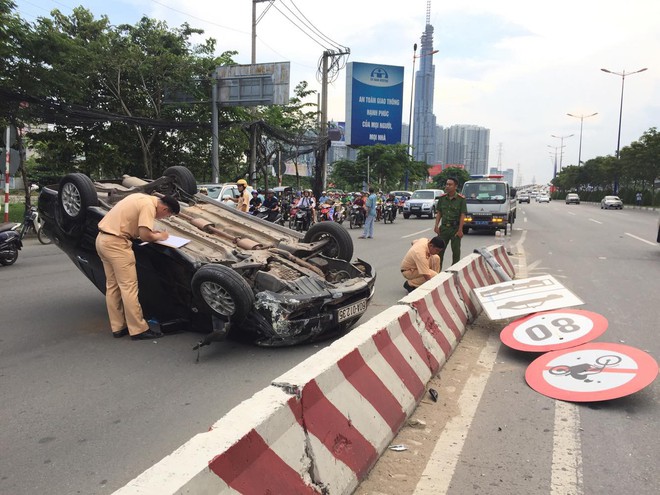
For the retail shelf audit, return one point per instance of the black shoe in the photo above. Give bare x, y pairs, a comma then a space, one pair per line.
146, 335
408, 287
120, 333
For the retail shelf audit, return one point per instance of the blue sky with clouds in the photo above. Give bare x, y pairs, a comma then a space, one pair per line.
514, 66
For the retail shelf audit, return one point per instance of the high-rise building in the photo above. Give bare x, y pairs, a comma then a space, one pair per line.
466, 145
423, 140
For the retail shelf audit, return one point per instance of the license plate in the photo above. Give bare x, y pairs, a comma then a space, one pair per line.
481, 222
415, 207
351, 310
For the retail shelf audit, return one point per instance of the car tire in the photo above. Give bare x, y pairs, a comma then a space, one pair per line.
183, 178
341, 245
76, 193
406, 216
223, 292
466, 230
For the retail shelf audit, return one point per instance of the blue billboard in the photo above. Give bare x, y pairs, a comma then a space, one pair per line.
374, 99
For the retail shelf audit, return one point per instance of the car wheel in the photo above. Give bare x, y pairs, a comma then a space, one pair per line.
406, 216
76, 194
340, 245
183, 178
466, 230
223, 292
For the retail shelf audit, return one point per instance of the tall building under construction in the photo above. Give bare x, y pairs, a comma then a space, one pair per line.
424, 132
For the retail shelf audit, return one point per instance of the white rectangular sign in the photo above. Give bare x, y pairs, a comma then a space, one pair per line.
521, 297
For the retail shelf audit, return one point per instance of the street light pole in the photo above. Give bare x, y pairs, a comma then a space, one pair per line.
581, 117
561, 157
555, 148
623, 75
410, 123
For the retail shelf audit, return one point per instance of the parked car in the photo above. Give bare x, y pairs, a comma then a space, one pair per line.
222, 192
523, 198
238, 274
422, 202
609, 202
572, 198
543, 198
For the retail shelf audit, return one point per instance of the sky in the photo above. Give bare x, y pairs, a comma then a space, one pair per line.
516, 67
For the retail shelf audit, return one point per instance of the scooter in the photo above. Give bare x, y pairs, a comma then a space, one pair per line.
267, 214
389, 211
356, 217
300, 218
10, 243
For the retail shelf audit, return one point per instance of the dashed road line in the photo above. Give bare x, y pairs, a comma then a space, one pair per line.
416, 233
595, 221
640, 239
566, 451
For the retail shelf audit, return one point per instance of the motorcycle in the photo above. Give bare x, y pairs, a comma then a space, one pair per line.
389, 211
267, 214
326, 212
356, 217
32, 223
339, 214
300, 218
10, 243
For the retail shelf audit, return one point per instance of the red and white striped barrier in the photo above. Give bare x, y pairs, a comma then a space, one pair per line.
320, 427
441, 313
503, 259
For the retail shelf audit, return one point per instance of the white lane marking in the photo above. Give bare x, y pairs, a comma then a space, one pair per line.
525, 219
595, 221
532, 267
566, 451
571, 213
640, 239
441, 465
416, 233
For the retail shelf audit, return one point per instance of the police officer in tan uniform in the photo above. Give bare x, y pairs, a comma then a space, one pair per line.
451, 209
131, 218
422, 262
243, 200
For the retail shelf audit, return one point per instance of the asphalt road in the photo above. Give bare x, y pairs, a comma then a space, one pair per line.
85, 413
494, 435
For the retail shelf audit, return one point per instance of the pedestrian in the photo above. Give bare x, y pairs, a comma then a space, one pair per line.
451, 209
370, 207
422, 262
638, 199
131, 218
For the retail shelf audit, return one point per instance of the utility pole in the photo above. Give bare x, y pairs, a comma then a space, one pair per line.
253, 128
323, 134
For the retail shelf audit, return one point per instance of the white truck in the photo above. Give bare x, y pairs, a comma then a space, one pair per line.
491, 203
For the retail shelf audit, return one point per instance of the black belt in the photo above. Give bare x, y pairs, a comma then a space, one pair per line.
452, 224
113, 235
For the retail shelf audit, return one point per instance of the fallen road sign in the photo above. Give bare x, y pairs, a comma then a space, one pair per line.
592, 372
553, 330
525, 296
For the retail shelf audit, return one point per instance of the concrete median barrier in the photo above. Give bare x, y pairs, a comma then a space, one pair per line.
320, 427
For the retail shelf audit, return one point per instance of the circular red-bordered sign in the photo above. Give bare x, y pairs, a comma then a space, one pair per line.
592, 372
553, 330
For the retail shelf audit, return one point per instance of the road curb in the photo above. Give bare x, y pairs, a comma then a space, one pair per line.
320, 427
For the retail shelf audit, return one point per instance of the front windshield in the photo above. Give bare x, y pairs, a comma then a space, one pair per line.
423, 195
484, 191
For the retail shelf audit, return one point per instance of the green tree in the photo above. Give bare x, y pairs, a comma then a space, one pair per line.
460, 174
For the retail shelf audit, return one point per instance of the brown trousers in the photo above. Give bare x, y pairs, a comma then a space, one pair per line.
121, 287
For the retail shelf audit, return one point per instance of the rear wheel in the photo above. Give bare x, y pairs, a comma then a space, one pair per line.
223, 292
183, 178
76, 194
43, 237
10, 255
340, 244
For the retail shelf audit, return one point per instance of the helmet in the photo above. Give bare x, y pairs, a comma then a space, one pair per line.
323, 192
254, 191
241, 182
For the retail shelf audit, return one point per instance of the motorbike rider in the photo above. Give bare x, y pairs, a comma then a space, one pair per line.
308, 201
391, 198
272, 204
255, 202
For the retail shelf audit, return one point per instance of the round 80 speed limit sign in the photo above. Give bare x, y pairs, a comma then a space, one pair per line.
553, 330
